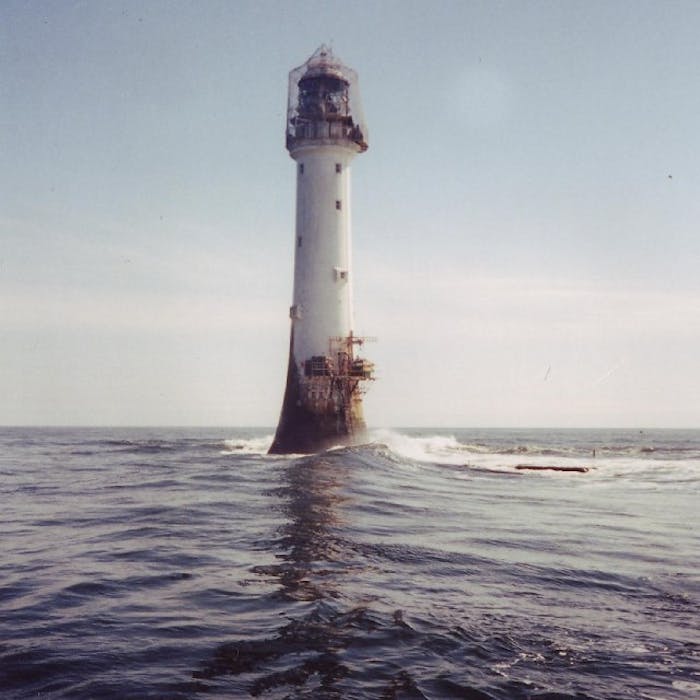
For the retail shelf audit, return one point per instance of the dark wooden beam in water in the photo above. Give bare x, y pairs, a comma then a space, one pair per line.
536, 468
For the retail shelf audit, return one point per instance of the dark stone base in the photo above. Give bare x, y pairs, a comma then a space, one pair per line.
302, 430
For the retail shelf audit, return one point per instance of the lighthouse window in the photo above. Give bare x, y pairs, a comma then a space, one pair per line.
338, 168
339, 273
301, 168
337, 204
299, 242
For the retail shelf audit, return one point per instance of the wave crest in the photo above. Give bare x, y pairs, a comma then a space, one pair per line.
248, 446
428, 448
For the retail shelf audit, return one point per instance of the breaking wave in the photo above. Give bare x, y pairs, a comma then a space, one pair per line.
248, 446
574, 452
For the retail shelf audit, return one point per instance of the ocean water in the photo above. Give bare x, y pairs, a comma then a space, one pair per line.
186, 563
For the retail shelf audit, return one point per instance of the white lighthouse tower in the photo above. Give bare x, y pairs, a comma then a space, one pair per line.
325, 130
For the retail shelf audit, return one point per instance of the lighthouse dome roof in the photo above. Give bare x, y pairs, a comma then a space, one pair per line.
324, 62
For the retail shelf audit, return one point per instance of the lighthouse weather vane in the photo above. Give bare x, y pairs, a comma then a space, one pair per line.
322, 404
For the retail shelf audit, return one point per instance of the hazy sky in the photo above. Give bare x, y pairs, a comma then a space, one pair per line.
526, 220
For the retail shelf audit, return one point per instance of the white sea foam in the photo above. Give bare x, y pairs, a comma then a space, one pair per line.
432, 448
446, 449
250, 446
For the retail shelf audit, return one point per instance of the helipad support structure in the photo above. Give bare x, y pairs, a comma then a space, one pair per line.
322, 404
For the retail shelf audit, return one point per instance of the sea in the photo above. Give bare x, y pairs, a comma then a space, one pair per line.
187, 563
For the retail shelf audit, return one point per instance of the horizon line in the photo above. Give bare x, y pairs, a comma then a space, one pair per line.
393, 427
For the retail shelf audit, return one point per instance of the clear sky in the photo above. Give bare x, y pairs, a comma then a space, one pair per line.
526, 220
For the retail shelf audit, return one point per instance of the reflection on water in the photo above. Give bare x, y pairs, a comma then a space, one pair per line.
310, 551
305, 651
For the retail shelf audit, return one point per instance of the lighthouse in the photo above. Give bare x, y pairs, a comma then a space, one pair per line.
322, 404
